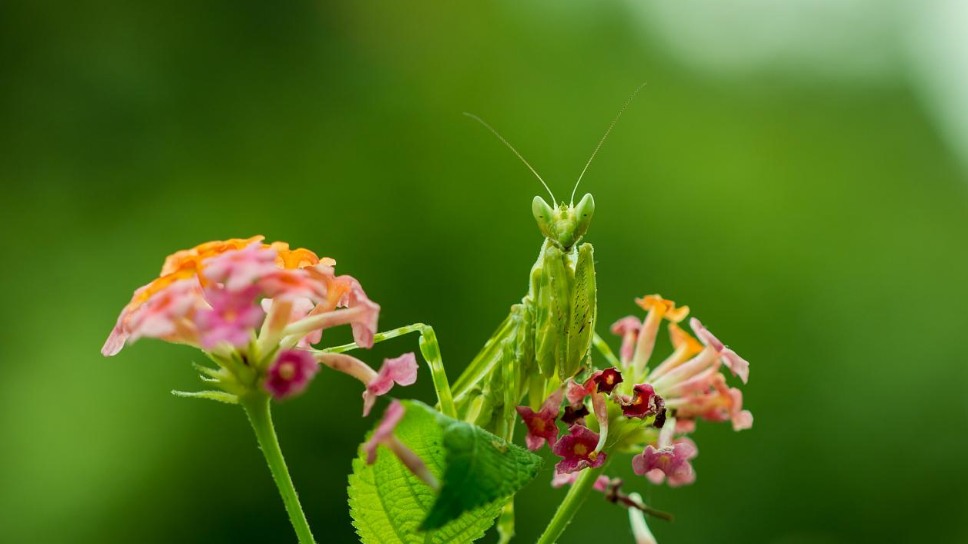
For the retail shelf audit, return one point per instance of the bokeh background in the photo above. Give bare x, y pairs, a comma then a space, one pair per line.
795, 171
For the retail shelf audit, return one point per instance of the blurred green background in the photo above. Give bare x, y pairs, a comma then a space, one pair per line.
795, 173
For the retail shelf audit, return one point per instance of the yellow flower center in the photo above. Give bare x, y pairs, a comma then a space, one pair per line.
287, 371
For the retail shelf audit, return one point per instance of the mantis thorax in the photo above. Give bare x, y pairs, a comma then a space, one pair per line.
565, 225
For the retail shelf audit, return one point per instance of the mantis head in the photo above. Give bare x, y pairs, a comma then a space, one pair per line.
565, 225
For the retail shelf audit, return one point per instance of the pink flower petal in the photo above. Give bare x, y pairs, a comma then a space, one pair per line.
240, 268
384, 431
541, 424
736, 364
577, 450
607, 379
672, 462
401, 370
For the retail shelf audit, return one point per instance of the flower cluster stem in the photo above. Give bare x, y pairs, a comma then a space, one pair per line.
257, 408
569, 506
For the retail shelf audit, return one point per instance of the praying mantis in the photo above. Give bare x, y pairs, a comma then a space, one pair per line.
546, 336
544, 339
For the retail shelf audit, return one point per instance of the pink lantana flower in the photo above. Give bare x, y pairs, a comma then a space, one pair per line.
239, 269
720, 403
384, 436
695, 387
577, 450
247, 304
166, 314
606, 380
671, 462
667, 459
736, 364
233, 317
541, 424
290, 374
603, 381
643, 402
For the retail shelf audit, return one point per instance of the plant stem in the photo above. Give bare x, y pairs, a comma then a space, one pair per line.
569, 506
257, 408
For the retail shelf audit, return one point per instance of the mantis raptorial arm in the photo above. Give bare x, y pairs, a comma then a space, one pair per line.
431, 352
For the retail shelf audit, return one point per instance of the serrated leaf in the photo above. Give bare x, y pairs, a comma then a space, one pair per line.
481, 468
389, 505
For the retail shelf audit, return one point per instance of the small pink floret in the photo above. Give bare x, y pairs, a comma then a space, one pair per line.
233, 317
628, 328
401, 370
541, 424
736, 364
290, 374
672, 462
157, 317
365, 324
292, 284
577, 450
239, 269
644, 402
384, 431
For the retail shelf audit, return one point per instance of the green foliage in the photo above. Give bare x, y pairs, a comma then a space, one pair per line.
479, 473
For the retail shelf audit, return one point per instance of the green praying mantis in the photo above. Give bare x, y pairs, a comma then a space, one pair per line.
545, 338
548, 335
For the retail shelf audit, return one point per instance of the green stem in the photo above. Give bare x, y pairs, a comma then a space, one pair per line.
257, 408
569, 506
606, 351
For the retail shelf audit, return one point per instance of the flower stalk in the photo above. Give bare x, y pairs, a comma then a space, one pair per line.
257, 408
572, 502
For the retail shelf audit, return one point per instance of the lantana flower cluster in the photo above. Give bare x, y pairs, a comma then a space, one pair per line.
255, 309
649, 412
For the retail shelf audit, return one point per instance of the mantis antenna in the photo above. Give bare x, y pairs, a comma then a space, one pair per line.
499, 137
627, 102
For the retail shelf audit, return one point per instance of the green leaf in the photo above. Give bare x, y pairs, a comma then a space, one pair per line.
481, 468
479, 474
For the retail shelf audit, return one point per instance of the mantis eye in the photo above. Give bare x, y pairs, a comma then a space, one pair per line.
583, 214
543, 214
